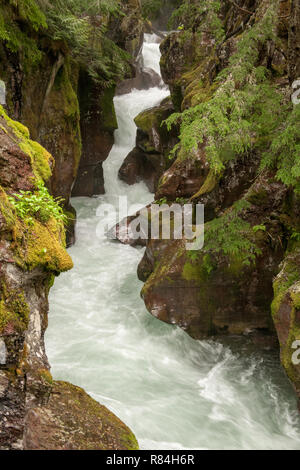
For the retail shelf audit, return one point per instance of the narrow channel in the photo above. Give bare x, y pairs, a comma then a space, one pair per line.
173, 392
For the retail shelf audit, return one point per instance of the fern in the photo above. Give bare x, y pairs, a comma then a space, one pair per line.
284, 152
245, 108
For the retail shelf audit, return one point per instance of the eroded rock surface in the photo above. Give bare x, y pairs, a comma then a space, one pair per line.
36, 413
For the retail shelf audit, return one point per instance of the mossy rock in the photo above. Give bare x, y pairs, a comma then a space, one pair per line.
41, 245
41, 160
72, 420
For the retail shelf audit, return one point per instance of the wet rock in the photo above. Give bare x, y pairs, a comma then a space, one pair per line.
183, 179
31, 255
286, 314
97, 122
140, 166
151, 156
210, 292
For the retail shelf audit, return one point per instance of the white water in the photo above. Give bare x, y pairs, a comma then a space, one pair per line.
173, 392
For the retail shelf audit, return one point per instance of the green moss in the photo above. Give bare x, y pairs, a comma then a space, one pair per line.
288, 276
14, 310
191, 272
43, 246
6, 211
63, 116
177, 97
12, 31
295, 295
109, 118
41, 160
293, 370
45, 375
90, 425
209, 184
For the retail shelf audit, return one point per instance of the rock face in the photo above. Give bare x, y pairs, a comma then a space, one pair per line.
68, 112
150, 158
36, 413
208, 292
71, 420
286, 314
250, 257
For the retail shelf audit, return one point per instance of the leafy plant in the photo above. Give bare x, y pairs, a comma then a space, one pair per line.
38, 204
257, 228
151, 8
231, 235
284, 152
245, 109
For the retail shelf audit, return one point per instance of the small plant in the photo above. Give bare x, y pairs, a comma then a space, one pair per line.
37, 205
162, 201
256, 228
181, 200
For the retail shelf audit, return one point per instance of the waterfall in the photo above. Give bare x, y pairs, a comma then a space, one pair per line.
173, 392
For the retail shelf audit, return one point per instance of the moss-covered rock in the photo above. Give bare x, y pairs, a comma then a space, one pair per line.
72, 420
98, 123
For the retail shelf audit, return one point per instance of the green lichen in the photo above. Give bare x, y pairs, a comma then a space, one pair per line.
14, 310
288, 276
45, 375
41, 160
42, 245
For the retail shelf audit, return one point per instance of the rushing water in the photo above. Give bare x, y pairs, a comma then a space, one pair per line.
173, 392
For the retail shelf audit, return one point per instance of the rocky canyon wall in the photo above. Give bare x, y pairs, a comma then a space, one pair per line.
50, 91
234, 135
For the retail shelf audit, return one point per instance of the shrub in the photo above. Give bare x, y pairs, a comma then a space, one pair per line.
38, 204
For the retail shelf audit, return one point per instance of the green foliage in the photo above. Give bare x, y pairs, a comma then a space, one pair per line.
151, 8
199, 16
162, 201
39, 204
257, 228
295, 236
82, 25
30, 11
245, 109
